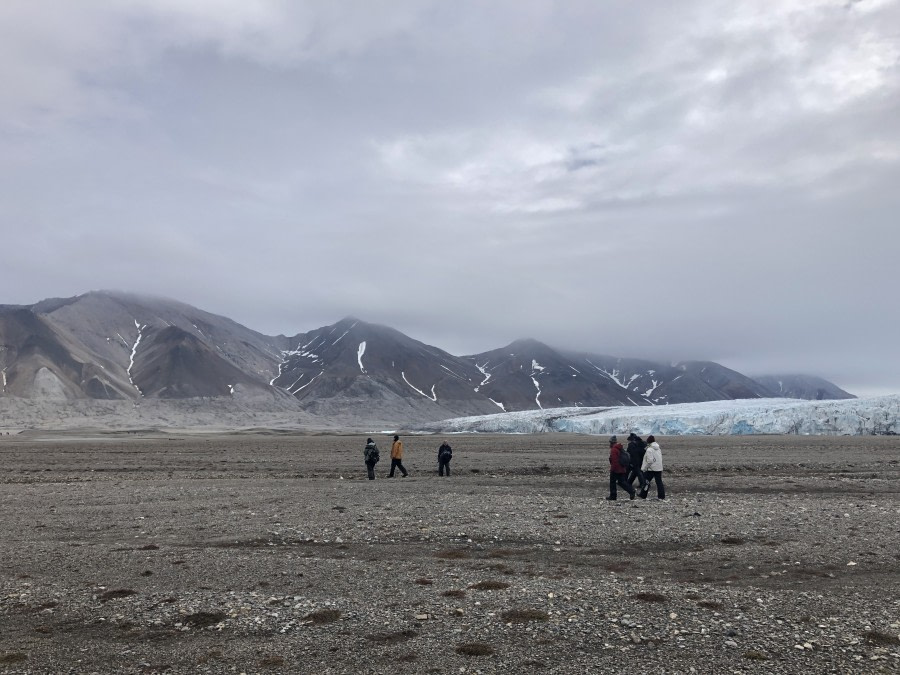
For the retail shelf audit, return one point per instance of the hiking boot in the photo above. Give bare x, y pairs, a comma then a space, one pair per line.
610, 499
643, 495
632, 495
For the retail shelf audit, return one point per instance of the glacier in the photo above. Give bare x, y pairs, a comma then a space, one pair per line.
849, 417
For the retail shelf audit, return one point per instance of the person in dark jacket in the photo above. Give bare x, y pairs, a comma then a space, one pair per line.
636, 450
617, 470
371, 457
445, 454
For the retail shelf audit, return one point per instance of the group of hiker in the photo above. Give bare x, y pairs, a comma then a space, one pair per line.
641, 461
371, 456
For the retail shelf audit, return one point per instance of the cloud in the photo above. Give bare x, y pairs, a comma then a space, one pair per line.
694, 180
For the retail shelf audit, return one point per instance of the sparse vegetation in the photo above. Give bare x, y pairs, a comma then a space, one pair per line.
649, 597
323, 616
13, 657
524, 615
271, 662
204, 619
474, 649
116, 594
454, 594
709, 604
500, 553
754, 655
490, 586
453, 554
502, 569
879, 639
733, 541
392, 638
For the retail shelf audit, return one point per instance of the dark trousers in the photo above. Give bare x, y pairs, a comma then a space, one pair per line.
397, 464
370, 470
618, 479
636, 473
442, 466
660, 488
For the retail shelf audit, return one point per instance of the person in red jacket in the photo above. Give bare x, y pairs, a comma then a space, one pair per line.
617, 470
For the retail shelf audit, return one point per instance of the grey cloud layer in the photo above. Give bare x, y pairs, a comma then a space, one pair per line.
710, 180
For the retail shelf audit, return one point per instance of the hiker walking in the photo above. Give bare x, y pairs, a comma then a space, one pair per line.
618, 467
652, 467
397, 457
445, 454
371, 457
636, 449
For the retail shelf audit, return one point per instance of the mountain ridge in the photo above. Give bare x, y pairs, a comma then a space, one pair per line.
111, 345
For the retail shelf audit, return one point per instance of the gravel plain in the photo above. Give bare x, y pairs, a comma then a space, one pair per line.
269, 552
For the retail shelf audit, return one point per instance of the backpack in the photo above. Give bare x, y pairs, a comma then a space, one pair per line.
625, 459
445, 455
372, 455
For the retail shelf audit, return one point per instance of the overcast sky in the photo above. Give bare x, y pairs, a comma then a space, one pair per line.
672, 180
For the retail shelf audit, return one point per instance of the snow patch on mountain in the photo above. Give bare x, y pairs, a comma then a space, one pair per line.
654, 384
359, 355
314, 378
863, 416
134, 348
433, 396
483, 370
536, 369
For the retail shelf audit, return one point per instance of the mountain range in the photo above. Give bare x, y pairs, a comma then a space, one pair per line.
114, 346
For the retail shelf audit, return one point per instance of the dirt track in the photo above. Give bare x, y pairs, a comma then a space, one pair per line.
270, 553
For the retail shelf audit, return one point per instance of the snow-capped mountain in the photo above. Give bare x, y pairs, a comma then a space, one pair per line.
858, 416
106, 345
808, 387
353, 363
119, 346
528, 374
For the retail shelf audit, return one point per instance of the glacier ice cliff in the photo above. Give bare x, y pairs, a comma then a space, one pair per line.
861, 416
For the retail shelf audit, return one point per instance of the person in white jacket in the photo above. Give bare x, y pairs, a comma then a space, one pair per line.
652, 466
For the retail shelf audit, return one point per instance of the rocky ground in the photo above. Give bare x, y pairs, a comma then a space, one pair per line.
270, 553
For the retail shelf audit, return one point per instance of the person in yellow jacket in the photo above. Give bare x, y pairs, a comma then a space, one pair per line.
397, 458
